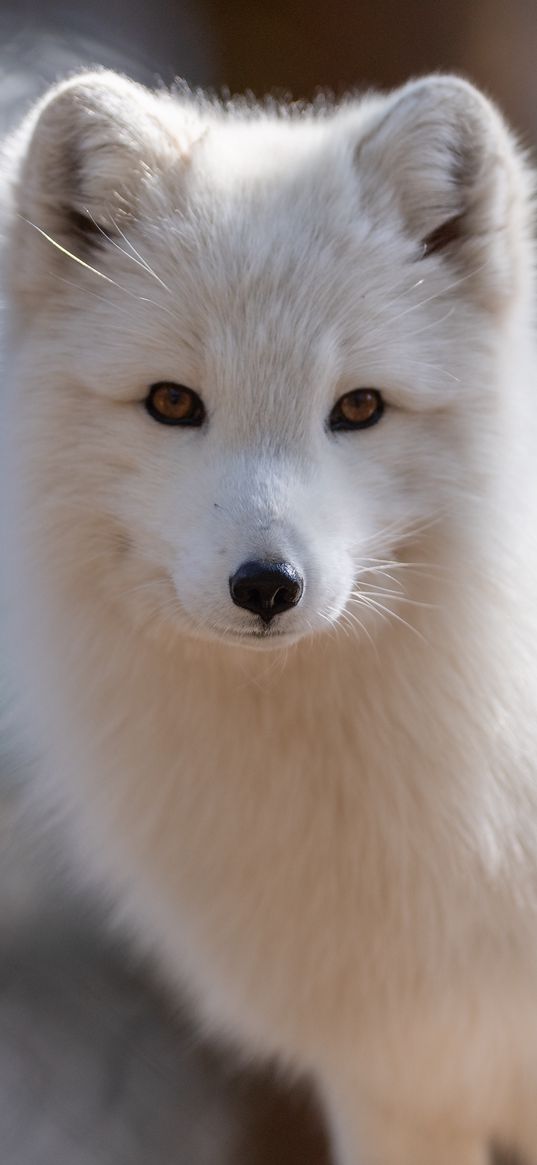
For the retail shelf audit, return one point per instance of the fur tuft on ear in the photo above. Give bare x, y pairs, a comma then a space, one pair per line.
441, 161
91, 152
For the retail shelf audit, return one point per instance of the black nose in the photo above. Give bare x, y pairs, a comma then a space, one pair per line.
266, 588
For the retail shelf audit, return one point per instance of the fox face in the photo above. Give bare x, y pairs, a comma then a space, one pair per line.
253, 358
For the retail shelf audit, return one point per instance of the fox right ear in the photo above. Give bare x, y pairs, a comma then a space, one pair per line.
96, 145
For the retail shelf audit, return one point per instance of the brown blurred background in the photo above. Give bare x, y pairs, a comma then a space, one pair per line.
96, 1068
295, 46
345, 44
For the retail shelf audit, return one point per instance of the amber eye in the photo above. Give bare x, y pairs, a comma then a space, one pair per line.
173, 404
357, 409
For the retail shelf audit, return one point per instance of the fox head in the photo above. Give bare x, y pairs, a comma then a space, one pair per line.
254, 356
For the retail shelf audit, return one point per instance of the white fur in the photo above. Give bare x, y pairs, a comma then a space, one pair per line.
331, 839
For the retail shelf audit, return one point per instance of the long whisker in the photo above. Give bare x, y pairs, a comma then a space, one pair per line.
380, 331
383, 323
432, 323
437, 295
402, 564
388, 613
376, 570
70, 255
433, 367
87, 291
95, 271
396, 595
346, 619
139, 262
138, 258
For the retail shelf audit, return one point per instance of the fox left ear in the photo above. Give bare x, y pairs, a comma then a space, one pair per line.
440, 158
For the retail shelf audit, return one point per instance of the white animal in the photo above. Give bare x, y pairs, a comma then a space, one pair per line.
269, 515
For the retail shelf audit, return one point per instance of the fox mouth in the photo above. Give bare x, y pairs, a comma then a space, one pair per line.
257, 638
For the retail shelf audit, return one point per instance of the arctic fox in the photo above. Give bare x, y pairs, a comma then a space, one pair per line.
269, 518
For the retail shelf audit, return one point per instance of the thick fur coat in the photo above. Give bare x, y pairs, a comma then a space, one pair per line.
324, 824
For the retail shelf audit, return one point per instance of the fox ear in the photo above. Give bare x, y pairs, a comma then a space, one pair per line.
94, 147
441, 159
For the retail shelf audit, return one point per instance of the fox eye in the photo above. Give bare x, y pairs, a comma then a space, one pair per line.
173, 404
357, 410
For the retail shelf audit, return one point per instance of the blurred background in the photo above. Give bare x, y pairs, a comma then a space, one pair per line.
97, 1064
295, 46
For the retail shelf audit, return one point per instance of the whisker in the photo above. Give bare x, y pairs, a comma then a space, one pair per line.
379, 570
432, 324
402, 564
70, 255
388, 613
87, 291
437, 295
434, 367
332, 627
422, 302
95, 271
346, 619
138, 258
122, 251
397, 596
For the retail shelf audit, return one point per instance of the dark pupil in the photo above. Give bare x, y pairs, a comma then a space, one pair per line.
175, 396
